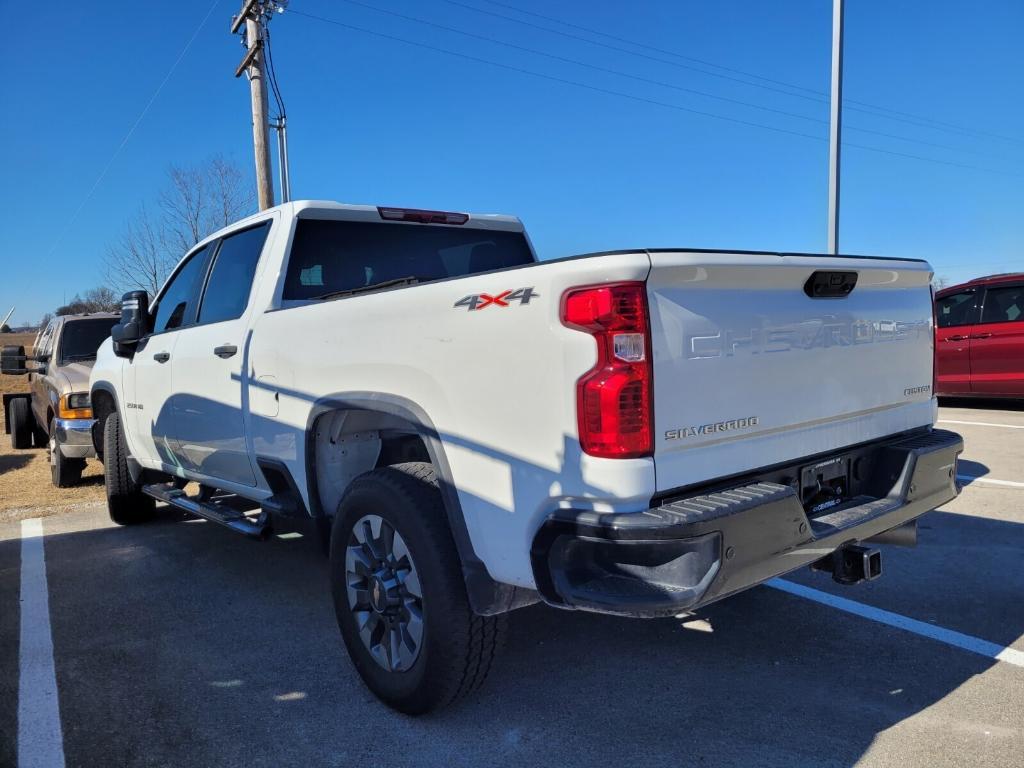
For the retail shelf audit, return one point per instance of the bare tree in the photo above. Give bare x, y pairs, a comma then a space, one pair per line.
141, 257
231, 192
102, 299
196, 201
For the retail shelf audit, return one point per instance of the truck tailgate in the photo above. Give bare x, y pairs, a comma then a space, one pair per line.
751, 371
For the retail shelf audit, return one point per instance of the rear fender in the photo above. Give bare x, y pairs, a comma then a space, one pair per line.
486, 596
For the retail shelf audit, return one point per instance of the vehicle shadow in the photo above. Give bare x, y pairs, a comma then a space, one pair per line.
12, 461
90, 480
968, 471
196, 626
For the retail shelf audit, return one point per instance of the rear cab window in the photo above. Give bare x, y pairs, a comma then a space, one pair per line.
332, 255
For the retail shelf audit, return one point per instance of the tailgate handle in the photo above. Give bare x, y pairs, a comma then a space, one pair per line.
825, 284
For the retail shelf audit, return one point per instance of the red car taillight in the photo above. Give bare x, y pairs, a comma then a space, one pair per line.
614, 398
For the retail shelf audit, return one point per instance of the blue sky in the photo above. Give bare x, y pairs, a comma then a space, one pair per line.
376, 120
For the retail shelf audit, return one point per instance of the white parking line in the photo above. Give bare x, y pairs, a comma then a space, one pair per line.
947, 636
40, 741
989, 481
981, 424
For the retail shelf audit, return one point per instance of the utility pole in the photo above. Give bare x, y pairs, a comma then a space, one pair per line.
253, 17
835, 127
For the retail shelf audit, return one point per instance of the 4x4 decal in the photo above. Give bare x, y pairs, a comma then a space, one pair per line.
505, 298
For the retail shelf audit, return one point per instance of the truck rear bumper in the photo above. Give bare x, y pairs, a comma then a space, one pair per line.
695, 549
75, 438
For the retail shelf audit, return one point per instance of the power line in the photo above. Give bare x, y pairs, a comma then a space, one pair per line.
634, 97
131, 131
278, 100
866, 105
661, 83
819, 96
468, 7
652, 47
553, 78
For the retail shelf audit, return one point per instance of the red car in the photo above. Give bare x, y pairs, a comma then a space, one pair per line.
979, 338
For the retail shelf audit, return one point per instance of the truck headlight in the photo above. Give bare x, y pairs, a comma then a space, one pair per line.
75, 405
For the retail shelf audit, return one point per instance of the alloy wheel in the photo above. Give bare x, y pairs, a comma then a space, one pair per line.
384, 593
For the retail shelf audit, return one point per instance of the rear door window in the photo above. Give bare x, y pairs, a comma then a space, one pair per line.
227, 290
1004, 305
176, 307
43, 345
331, 255
956, 309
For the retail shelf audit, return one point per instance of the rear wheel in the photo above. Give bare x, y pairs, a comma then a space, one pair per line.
64, 472
126, 502
399, 595
22, 423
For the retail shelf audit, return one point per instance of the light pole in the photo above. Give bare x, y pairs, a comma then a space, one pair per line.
835, 127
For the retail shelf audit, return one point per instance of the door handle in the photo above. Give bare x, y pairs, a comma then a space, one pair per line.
980, 335
162, 357
957, 338
225, 350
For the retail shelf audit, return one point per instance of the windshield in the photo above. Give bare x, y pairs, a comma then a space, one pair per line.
81, 338
330, 256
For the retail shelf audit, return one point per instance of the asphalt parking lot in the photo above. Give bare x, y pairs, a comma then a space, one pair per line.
181, 643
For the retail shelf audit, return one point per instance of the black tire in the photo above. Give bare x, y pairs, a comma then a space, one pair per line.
126, 503
64, 472
22, 423
457, 647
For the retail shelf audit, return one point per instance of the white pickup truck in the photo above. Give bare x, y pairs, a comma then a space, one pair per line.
636, 432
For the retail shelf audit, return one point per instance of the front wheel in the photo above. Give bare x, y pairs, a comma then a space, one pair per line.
126, 502
64, 472
399, 595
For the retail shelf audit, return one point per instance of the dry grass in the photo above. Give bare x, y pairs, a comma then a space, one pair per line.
25, 487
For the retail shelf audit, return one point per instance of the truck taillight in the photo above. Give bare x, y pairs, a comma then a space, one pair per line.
614, 398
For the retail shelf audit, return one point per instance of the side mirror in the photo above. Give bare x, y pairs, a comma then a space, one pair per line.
134, 323
12, 361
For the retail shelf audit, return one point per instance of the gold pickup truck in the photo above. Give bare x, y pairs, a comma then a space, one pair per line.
56, 412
